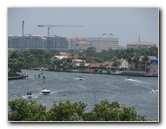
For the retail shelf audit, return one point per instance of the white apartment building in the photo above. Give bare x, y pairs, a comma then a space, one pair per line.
104, 43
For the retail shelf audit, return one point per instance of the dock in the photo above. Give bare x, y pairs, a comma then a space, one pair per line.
134, 73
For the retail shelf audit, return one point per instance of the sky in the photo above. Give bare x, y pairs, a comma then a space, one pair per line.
127, 24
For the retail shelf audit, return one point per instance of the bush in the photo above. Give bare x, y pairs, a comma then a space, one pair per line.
29, 110
66, 111
26, 110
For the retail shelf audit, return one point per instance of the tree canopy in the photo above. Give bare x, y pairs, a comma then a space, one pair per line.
30, 110
15, 62
34, 58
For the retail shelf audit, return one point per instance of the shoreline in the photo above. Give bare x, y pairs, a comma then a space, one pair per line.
124, 73
17, 77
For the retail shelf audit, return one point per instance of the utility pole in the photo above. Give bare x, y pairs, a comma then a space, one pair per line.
23, 28
139, 40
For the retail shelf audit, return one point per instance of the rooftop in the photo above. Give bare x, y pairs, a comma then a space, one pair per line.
141, 43
83, 42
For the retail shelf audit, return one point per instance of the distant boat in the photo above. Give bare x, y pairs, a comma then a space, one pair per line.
45, 91
80, 78
128, 78
155, 90
29, 94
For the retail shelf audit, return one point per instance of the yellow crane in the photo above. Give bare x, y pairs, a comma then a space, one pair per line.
51, 26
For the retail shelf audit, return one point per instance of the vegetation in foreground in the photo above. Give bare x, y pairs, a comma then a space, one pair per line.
30, 110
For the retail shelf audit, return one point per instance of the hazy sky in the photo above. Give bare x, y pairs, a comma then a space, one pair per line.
125, 23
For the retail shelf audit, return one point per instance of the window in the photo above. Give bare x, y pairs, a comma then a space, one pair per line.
154, 70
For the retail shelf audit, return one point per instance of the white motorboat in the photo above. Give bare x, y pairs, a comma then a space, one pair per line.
80, 78
128, 78
45, 91
154, 90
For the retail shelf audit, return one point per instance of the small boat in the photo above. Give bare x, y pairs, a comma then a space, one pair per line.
154, 90
128, 78
29, 94
45, 91
80, 78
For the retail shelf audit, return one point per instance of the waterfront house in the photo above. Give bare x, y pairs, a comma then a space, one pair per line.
142, 64
153, 67
123, 64
94, 65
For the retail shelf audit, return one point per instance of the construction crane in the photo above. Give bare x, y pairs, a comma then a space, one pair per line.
51, 26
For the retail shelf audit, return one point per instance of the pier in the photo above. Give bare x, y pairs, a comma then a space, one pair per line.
137, 73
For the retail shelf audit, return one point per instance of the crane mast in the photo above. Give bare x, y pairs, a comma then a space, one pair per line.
51, 26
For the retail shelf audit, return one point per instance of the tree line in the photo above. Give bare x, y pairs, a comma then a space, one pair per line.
30, 110
33, 58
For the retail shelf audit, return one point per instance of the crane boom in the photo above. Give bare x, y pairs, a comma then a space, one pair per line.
51, 26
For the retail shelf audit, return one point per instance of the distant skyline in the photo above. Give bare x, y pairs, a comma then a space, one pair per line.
127, 24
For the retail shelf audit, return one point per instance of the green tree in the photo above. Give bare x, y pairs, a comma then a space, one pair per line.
66, 111
90, 51
26, 110
15, 63
136, 60
104, 111
145, 59
116, 62
29, 110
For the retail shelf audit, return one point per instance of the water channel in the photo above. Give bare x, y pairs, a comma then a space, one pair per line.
136, 91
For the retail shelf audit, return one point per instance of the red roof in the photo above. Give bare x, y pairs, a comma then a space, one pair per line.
95, 64
106, 63
70, 56
11, 49
141, 43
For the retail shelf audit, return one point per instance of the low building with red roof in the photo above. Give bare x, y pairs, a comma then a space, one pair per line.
141, 45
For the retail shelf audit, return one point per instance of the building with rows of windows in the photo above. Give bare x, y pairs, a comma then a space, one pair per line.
61, 43
104, 43
141, 45
37, 42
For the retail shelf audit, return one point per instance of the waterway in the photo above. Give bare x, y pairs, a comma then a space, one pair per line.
136, 91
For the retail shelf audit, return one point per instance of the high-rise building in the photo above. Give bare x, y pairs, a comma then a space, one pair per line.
72, 43
37, 42
79, 43
104, 43
57, 42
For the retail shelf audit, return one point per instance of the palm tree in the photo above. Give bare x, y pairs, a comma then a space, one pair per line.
136, 60
129, 59
116, 62
145, 59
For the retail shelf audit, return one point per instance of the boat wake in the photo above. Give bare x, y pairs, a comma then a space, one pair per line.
53, 92
79, 78
82, 87
132, 80
33, 96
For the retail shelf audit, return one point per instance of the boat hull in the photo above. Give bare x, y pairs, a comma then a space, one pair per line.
29, 96
45, 91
